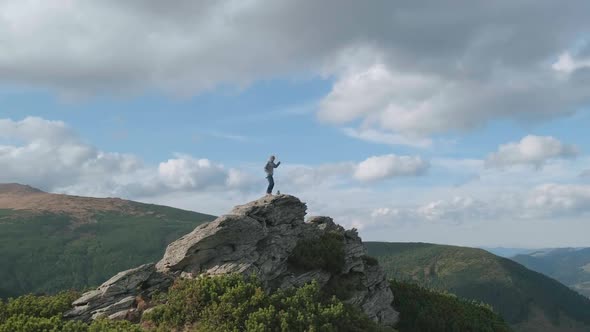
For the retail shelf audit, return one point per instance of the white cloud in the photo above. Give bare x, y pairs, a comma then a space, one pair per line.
546, 201
558, 200
416, 104
531, 150
413, 69
388, 166
397, 101
51, 156
377, 136
567, 64
238, 179
457, 210
546, 207
37, 129
369, 170
186, 172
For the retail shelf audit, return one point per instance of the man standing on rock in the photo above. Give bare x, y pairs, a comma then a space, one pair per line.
269, 169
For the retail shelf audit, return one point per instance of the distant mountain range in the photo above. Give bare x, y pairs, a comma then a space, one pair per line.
528, 300
571, 266
51, 242
508, 252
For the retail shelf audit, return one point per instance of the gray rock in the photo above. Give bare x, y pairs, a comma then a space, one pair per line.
119, 293
121, 315
227, 235
118, 309
298, 280
255, 238
274, 210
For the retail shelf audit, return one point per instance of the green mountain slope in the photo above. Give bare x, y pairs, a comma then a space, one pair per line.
424, 310
80, 242
528, 300
569, 266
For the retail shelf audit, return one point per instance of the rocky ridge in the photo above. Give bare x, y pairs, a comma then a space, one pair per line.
256, 238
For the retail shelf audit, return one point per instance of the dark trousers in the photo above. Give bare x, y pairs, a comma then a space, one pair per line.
271, 184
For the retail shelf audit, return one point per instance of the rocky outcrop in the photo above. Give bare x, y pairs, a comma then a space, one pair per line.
120, 297
256, 238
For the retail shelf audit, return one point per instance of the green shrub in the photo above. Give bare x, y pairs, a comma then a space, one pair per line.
235, 303
325, 252
105, 325
208, 299
223, 303
39, 306
370, 261
343, 286
30, 313
306, 309
24, 323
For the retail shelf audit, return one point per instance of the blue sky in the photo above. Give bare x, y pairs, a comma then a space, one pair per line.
462, 128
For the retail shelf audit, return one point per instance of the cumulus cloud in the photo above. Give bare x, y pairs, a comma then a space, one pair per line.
51, 156
37, 129
187, 173
549, 201
388, 166
531, 150
558, 200
413, 69
370, 170
456, 210
421, 104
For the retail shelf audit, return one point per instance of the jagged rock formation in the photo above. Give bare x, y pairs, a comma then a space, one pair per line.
258, 238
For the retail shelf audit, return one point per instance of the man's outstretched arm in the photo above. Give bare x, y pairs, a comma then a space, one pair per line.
277, 164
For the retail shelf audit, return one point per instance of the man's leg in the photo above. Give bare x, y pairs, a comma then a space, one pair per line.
271, 184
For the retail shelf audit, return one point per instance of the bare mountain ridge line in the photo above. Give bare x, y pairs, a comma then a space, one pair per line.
257, 238
17, 188
81, 209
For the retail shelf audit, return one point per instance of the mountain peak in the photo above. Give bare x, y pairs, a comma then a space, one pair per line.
267, 237
18, 189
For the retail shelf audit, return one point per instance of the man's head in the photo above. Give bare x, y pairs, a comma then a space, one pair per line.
272, 158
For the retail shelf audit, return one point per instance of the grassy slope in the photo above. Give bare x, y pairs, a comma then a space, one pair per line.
518, 294
566, 265
44, 253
